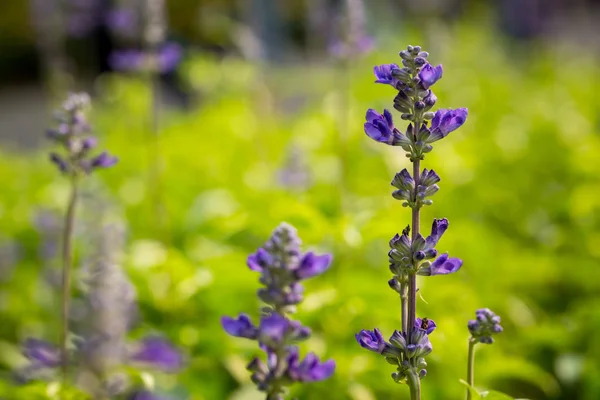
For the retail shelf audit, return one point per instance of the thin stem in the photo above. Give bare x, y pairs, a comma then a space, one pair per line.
414, 383
67, 256
412, 277
404, 304
471, 367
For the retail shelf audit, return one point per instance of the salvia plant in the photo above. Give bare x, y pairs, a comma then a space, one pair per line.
106, 364
282, 268
411, 254
75, 161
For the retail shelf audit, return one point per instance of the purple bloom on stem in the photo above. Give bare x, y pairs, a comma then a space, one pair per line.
446, 121
62, 165
159, 353
104, 160
240, 327
381, 129
312, 265
444, 265
371, 340
430, 75
310, 369
428, 325
42, 353
383, 73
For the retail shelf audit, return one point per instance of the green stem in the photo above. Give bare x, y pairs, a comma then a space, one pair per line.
471, 367
404, 304
414, 383
412, 277
67, 256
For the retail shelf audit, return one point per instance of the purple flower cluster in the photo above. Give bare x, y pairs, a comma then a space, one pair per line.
403, 350
414, 100
73, 135
411, 255
282, 267
485, 324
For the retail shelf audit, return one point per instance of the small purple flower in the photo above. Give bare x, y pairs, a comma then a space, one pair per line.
428, 325
438, 228
371, 340
403, 180
103, 160
443, 266
41, 353
383, 73
312, 265
169, 56
381, 129
240, 327
430, 75
159, 353
446, 121
62, 165
310, 369
273, 328
259, 260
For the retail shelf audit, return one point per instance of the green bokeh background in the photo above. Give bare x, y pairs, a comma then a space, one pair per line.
519, 185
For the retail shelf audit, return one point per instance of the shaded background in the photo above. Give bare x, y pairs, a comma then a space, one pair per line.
260, 121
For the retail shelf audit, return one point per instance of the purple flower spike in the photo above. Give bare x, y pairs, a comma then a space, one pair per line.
42, 353
313, 265
430, 75
383, 73
428, 325
381, 129
240, 327
158, 353
444, 265
310, 369
446, 121
104, 160
371, 340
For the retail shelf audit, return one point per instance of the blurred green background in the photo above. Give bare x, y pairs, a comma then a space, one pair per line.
261, 141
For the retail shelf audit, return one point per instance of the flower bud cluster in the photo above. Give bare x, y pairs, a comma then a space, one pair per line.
415, 196
484, 326
73, 135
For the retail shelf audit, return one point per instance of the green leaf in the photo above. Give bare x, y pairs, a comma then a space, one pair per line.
471, 389
493, 395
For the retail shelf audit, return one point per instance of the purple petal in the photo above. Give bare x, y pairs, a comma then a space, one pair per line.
259, 260
169, 57
312, 265
373, 115
371, 340
104, 160
430, 75
240, 327
444, 265
446, 121
428, 325
274, 328
42, 353
159, 353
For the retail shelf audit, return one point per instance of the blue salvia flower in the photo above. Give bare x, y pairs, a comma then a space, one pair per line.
73, 135
412, 254
282, 267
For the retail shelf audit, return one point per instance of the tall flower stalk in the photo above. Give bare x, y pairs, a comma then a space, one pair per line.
75, 162
282, 267
412, 254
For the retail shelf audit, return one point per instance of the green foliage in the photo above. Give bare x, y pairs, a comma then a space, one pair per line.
519, 184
